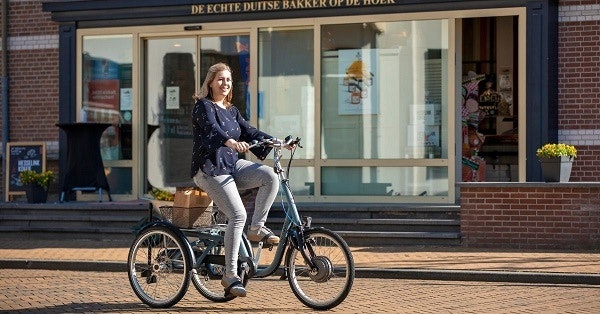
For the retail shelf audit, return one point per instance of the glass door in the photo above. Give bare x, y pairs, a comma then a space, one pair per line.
173, 71
106, 97
490, 99
170, 82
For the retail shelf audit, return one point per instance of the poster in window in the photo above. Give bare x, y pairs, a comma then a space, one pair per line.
427, 114
357, 91
432, 135
126, 101
172, 97
103, 105
419, 135
104, 94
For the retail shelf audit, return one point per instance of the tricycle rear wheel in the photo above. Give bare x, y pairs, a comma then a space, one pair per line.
158, 267
208, 273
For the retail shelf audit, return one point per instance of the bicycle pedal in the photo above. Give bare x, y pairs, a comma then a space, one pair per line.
151, 279
284, 276
146, 273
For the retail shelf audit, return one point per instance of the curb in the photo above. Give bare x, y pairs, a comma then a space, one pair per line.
73, 265
418, 274
488, 276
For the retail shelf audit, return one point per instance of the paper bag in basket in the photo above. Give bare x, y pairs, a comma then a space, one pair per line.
188, 198
191, 208
192, 217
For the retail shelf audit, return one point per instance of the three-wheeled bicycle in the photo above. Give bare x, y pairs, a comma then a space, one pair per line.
317, 262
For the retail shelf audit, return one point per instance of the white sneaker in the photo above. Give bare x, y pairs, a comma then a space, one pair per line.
233, 286
263, 234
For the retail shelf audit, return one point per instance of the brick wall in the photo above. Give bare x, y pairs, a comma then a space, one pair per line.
33, 78
579, 84
530, 215
33, 72
586, 166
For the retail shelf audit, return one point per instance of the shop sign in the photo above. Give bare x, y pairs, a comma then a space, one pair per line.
278, 5
21, 156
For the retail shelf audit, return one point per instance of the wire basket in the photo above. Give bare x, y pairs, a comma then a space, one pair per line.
210, 216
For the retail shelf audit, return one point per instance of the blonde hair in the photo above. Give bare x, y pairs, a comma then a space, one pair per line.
210, 76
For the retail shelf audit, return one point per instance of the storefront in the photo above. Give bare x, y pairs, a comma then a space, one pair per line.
396, 101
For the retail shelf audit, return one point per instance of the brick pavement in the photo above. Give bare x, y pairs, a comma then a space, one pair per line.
43, 291
49, 290
422, 258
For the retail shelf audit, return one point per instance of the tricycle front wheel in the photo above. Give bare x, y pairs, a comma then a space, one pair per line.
328, 283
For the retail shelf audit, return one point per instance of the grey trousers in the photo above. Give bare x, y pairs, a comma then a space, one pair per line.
223, 190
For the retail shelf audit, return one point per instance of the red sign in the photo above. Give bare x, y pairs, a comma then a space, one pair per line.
104, 94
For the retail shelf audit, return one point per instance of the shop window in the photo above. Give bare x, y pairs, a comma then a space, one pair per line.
389, 181
384, 97
489, 99
286, 94
107, 91
107, 98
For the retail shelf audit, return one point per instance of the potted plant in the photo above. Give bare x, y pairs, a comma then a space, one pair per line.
36, 185
162, 195
556, 161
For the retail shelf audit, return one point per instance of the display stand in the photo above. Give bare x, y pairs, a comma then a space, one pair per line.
85, 170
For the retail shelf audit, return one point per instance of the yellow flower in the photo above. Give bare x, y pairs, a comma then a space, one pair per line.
44, 179
162, 195
557, 150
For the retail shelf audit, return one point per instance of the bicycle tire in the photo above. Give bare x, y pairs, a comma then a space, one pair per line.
331, 282
207, 275
158, 267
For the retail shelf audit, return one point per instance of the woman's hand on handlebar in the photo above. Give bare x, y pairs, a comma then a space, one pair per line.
240, 147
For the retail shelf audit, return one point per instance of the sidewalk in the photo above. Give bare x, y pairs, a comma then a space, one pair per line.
442, 263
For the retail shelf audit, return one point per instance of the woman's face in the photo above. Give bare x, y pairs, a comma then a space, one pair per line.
221, 85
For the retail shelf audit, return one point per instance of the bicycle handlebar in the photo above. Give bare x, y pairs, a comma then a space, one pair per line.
274, 142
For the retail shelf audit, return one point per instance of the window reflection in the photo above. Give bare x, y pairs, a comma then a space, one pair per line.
107, 91
383, 94
385, 181
170, 83
383, 90
286, 94
286, 86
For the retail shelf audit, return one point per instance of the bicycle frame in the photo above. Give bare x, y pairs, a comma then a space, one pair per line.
292, 218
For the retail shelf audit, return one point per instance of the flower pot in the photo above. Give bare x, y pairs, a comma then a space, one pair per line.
556, 169
36, 193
